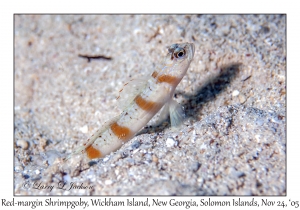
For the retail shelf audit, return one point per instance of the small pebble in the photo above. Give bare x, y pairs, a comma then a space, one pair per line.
117, 172
84, 129
108, 182
42, 143
154, 159
66, 178
23, 144
135, 145
242, 98
135, 151
106, 159
258, 138
171, 142
18, 169
235, 93
148, 157
195, 166
26, 176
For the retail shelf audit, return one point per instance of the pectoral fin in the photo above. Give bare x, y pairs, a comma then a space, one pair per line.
176, 113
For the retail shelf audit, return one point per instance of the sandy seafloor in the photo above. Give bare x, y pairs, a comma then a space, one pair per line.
232, 142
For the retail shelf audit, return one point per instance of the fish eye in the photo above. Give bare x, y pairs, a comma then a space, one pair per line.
180, 53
